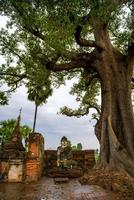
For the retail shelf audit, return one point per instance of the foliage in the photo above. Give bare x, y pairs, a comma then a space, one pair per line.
6, 128
74, 147
25, 131
26, 54
86, 91
79, 146
3, 99
97, 155
39, 88
72, 164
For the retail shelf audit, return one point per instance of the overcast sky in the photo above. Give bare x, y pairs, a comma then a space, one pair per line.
51, 125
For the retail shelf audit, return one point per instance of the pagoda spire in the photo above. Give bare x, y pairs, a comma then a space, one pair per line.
15, 141
16, 134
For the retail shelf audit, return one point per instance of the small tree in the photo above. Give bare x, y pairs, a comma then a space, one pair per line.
79, 146
74, 147
38, 94
39, 88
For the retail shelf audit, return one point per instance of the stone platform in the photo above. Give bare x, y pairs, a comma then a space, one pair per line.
63, 173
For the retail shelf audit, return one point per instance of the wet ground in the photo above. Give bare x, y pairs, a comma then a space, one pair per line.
46, 189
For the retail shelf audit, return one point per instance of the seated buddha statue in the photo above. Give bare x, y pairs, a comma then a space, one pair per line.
64, 153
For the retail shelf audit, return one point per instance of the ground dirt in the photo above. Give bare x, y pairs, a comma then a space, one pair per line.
115, 181
46, 189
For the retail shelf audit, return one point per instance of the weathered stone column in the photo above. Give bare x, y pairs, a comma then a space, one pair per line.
34, 163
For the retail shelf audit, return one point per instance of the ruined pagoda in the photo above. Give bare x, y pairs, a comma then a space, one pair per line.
14, 144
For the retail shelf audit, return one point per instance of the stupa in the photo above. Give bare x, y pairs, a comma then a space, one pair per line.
14, 144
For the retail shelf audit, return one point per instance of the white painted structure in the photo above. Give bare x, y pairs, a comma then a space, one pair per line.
15, 173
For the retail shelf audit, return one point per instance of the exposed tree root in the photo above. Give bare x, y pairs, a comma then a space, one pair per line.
120, 159
115, 156
117, 181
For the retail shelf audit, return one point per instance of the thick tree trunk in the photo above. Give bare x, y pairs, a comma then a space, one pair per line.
117, 121
115, 129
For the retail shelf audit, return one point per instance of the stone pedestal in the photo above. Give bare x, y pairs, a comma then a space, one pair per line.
15, 173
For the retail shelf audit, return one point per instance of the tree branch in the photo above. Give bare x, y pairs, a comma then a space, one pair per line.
120, 2
130, 54
10, 90
83, 42
77, 113
7, 44
80, 111
14, 75
65, 66
97, 108
131, 42
34, 31
79, 61
85, 19
15, 82
80, 41
95, 76
130, 4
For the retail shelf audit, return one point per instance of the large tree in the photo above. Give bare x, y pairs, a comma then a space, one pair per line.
92, 36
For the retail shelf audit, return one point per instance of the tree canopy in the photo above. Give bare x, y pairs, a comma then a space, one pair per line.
39, 33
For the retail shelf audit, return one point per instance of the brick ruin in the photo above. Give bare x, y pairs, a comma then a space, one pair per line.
34, 162
17, 165
85, 159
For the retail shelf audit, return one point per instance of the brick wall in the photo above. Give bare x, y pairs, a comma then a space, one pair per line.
84, 159
34, 163
4, 167
32, 170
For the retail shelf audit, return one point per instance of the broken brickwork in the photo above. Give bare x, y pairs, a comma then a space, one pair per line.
85, 159
34, 163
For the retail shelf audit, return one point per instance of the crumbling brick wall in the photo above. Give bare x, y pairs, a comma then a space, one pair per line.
85, 159
34, 163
